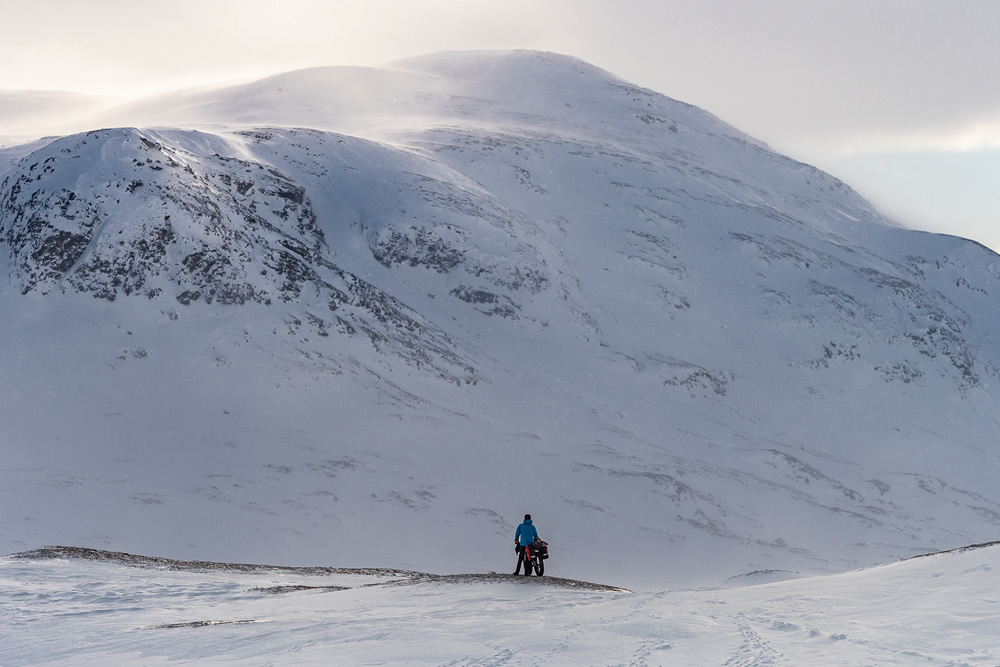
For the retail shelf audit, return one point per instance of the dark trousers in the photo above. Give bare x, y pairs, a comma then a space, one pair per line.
522, 558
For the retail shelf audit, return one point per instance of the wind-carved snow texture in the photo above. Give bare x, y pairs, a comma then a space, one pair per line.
338, 311
903, 310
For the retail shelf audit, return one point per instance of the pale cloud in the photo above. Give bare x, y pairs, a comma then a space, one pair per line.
964, 136
973, 136
119, 46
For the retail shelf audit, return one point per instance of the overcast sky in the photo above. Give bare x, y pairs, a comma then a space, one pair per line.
900, 98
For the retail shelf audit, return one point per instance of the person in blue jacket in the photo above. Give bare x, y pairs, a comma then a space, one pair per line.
526, 534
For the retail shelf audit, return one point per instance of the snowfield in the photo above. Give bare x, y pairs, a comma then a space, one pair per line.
936, 610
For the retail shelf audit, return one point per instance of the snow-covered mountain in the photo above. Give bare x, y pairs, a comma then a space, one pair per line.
372, 316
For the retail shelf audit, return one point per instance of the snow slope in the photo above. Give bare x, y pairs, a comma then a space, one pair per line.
938, 610
369, 317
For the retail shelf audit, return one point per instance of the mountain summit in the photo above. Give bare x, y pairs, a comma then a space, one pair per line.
372, 316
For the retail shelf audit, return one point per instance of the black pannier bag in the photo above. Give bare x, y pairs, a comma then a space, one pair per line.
542, 548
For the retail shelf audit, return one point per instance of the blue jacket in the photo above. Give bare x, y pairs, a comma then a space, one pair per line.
526, 533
